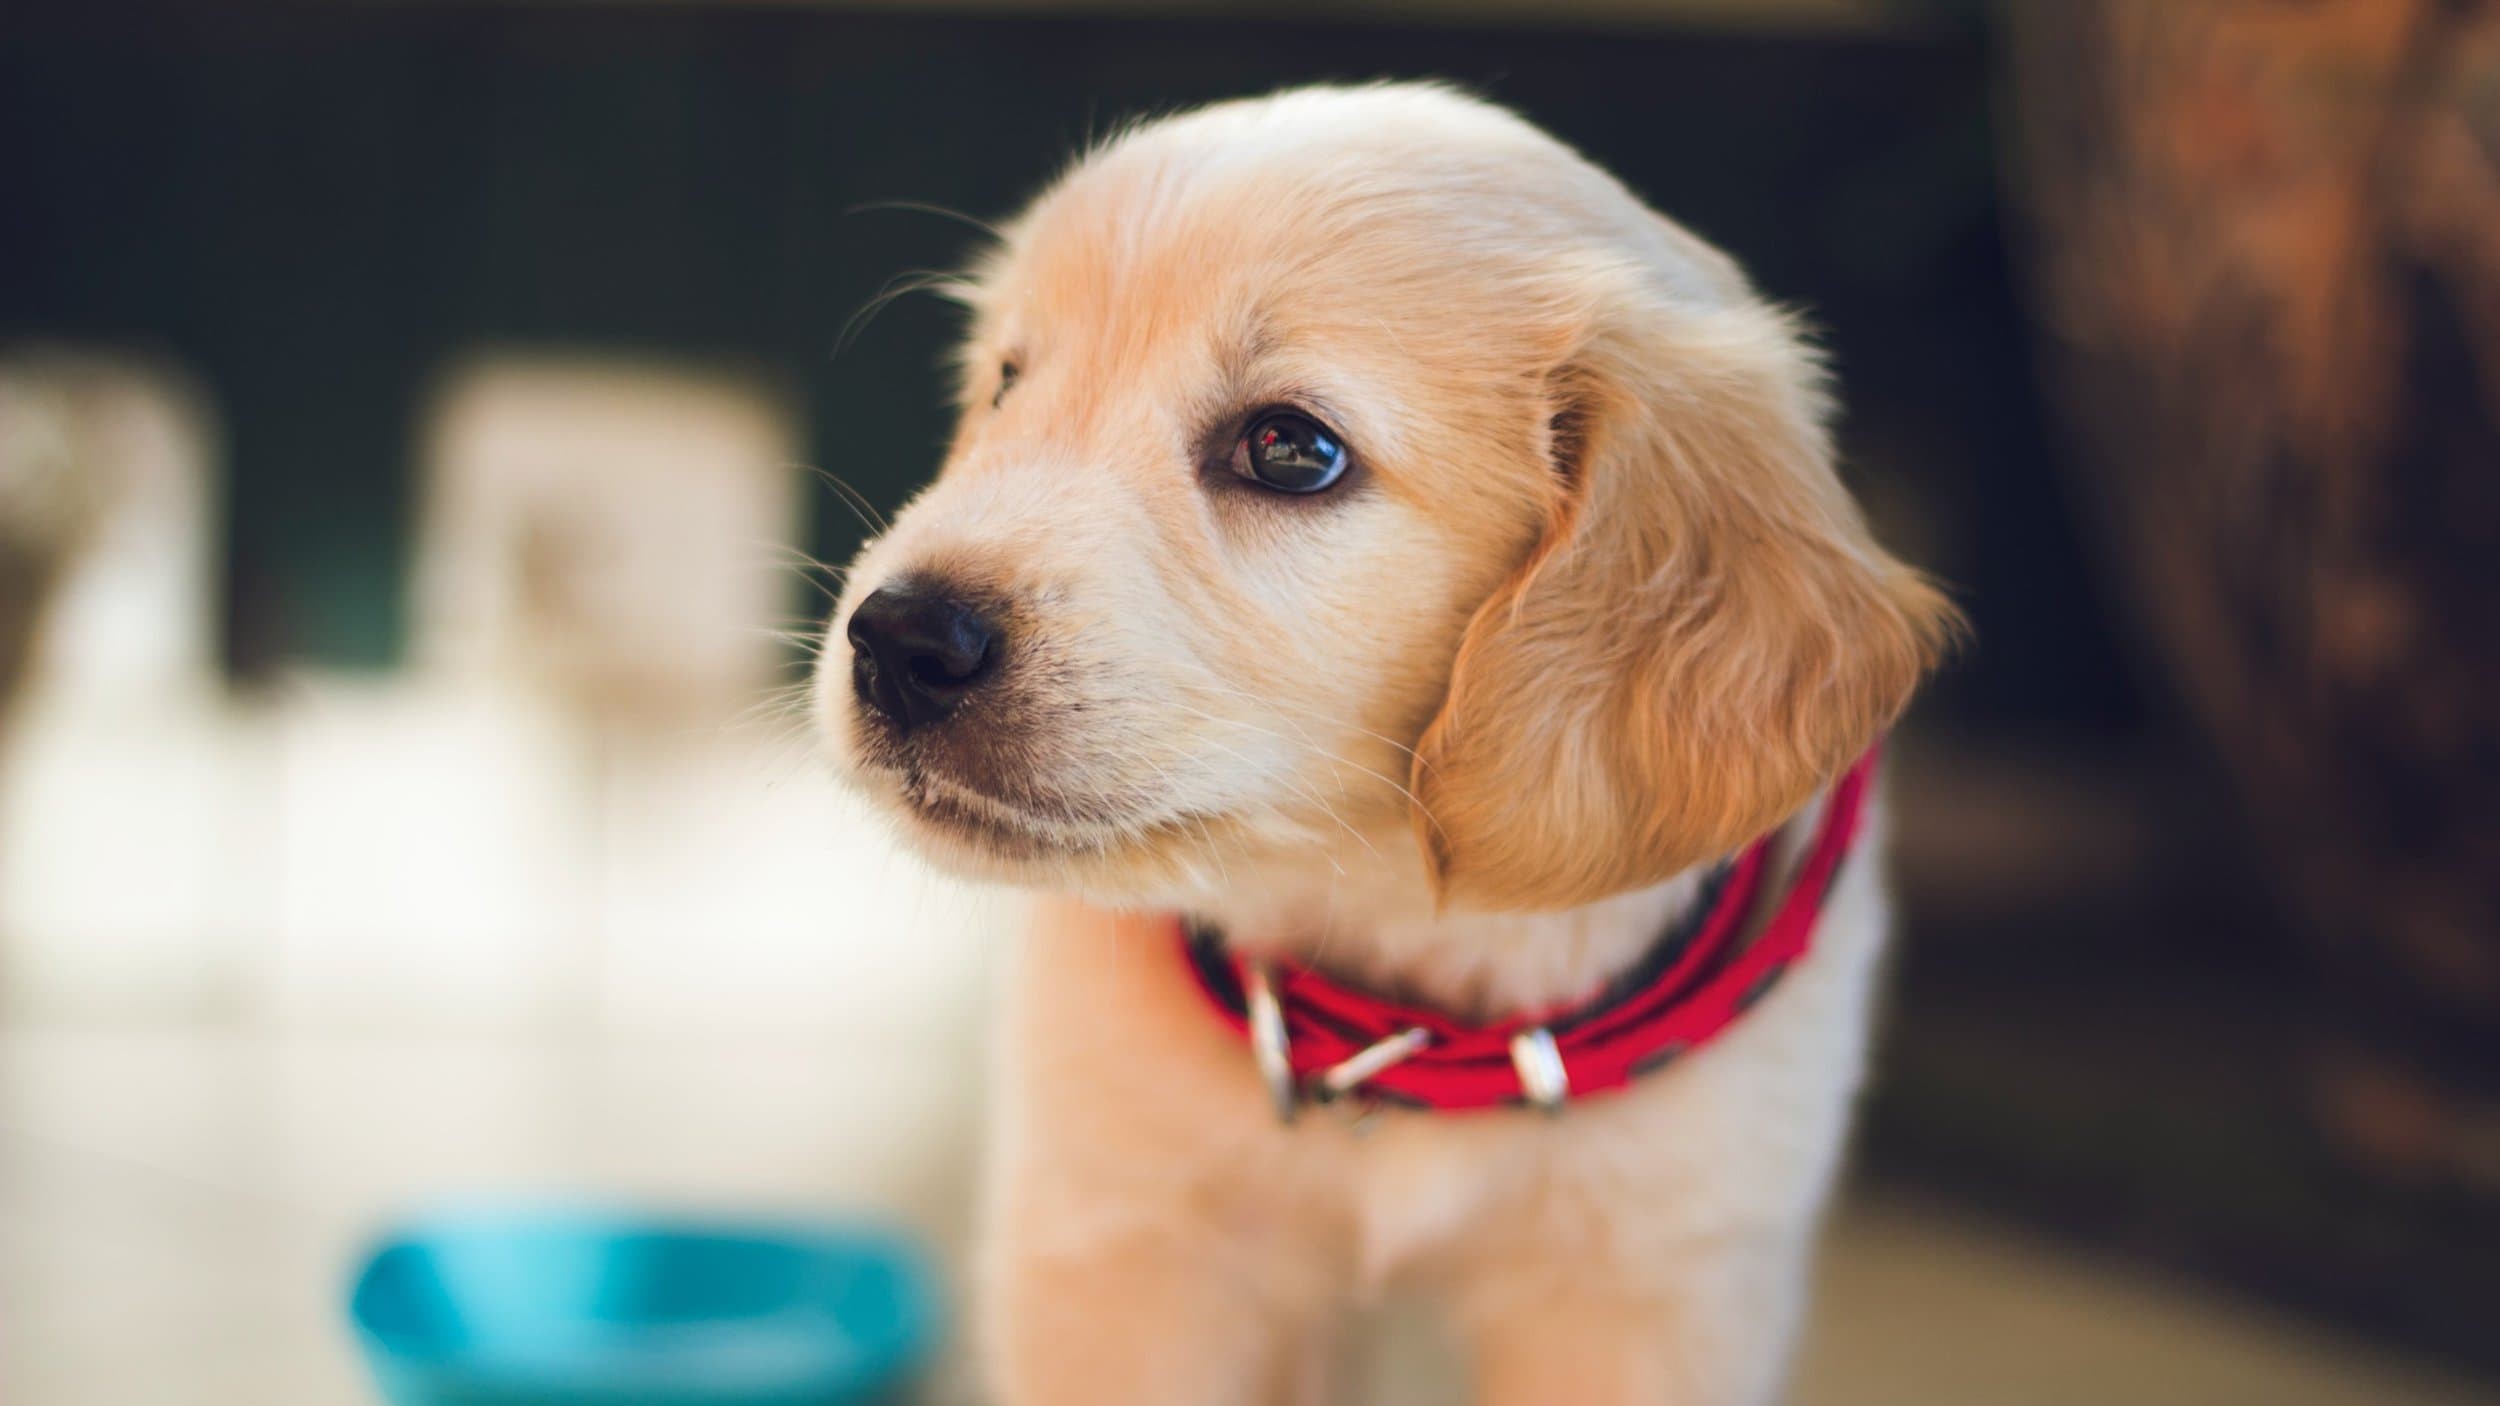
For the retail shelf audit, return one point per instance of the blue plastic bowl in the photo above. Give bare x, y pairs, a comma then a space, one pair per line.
539, 1307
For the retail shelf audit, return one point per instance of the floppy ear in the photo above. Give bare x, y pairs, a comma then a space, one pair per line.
1704, 636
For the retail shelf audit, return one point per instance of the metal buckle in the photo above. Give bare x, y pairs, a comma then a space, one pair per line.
1267, 1039
1358, 1068
1271, 1049
1541, 1074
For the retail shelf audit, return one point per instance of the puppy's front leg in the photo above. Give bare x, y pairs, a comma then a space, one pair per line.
1150, 1242
1714, 1328
1143, 1321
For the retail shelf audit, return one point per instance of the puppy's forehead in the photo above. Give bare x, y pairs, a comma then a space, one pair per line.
1248, 213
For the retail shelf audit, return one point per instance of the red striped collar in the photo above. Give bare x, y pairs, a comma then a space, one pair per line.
1317, 1039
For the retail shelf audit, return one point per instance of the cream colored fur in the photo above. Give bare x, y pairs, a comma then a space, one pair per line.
1593, 609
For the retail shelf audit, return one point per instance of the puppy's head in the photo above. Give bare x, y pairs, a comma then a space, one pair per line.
1360, 462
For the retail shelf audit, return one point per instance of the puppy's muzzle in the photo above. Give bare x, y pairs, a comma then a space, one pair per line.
918, 651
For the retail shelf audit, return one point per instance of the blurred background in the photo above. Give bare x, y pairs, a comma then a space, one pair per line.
419, 424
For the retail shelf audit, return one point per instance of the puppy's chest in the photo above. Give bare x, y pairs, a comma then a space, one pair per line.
1410, 1192
1415, 1188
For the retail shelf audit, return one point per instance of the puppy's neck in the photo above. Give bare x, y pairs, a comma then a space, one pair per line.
1374, 926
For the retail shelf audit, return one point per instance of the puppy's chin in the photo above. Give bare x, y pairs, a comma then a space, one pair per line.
976, 835
966, 829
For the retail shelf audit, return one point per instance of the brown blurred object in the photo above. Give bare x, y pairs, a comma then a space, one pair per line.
53, 494
2267, 240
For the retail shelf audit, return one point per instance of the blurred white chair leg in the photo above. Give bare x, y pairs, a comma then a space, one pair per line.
127, 444
431, 849
133, 863
132, 817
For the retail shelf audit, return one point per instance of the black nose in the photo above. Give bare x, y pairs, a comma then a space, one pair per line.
916, 651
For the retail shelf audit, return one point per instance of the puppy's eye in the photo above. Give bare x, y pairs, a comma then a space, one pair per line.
1007, 373
1289, 453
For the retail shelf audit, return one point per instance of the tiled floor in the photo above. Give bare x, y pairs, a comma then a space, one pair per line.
178, 1211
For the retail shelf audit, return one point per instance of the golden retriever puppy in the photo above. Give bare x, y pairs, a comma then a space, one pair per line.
1380, 556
